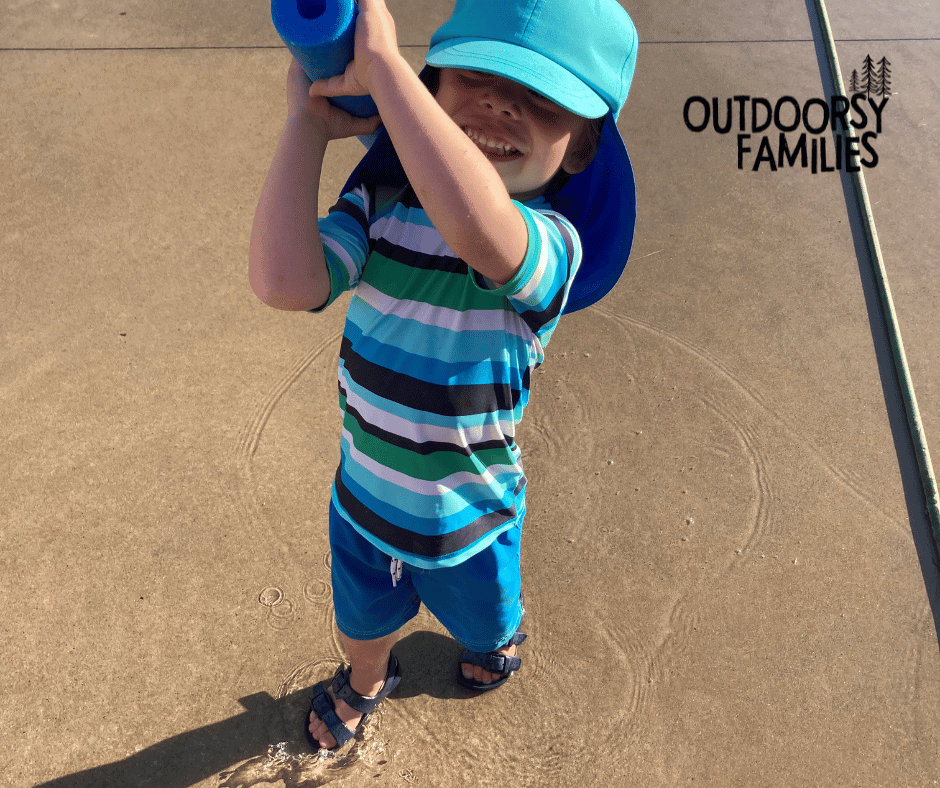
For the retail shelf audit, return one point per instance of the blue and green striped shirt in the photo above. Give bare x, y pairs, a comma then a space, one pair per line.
434, 374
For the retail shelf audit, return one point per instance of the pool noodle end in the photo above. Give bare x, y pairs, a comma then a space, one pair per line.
320, 34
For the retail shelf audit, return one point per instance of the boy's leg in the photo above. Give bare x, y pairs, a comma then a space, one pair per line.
479, 601
369, 609
368, 661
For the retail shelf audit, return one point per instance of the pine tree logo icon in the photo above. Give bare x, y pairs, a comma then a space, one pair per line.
872, 80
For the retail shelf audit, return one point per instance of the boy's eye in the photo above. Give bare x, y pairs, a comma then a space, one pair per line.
475, 79
538, 97
471, 77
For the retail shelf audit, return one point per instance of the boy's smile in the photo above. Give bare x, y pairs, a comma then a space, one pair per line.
524, 135
492, 146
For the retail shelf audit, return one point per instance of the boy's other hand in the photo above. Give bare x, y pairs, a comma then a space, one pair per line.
336, 123
376, 43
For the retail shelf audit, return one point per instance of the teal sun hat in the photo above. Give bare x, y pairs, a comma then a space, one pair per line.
581, 54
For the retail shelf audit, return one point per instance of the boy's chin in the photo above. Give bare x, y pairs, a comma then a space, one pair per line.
520, 188
522, 191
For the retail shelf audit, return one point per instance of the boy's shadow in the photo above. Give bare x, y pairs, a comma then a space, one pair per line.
429, 665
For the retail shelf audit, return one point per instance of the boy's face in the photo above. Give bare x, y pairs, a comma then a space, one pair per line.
524, 135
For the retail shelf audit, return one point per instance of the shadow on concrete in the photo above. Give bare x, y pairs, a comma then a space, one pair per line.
904, 446
428, 664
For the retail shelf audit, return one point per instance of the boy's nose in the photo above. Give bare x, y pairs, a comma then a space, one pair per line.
501, 101
501, 106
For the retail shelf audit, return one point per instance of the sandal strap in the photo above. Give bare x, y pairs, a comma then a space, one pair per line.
362, 703
493, 661
322, 705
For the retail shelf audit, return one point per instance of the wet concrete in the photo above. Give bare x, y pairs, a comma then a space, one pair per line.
728, 580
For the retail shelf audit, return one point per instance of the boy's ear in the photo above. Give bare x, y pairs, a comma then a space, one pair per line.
581, 149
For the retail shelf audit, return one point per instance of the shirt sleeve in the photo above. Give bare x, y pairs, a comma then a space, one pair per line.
344, 232
539, 289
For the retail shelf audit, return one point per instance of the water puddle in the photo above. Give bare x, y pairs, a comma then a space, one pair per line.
292, 762
297, 767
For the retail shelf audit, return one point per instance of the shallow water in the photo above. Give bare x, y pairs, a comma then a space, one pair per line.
293, 762
295, 768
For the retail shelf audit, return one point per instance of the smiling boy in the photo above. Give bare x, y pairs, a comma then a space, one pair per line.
527, 137
458, 284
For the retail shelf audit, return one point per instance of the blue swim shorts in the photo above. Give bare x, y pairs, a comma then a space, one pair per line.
478, 601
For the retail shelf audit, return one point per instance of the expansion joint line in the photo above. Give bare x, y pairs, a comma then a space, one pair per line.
927, 479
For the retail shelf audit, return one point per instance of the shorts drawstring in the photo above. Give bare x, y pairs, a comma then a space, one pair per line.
396, 568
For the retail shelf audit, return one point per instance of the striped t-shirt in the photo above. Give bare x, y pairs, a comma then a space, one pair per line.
434, 373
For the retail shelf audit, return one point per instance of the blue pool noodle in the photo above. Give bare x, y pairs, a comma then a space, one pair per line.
319, 33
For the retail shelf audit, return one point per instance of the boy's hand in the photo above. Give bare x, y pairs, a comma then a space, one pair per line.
336, 123
376, 43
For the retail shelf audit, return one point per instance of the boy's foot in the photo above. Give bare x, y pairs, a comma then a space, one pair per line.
476, 673
340, 698
347, 715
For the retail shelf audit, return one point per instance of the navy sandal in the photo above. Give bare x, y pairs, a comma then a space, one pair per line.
492, 661
323, 706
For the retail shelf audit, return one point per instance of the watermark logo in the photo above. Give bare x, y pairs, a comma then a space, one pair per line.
813, 149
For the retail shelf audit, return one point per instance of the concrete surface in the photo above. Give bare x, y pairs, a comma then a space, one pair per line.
728, 585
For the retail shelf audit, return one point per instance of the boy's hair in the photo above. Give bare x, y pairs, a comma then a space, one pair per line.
431, 77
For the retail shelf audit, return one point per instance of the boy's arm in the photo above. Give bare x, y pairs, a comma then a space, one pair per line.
459, 189
286, 266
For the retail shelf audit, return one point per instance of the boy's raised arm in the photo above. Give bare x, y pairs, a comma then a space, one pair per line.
286, 266
459, 189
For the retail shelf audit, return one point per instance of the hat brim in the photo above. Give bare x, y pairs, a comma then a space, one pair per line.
522, 65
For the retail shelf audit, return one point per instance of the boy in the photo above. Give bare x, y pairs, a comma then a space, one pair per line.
458, 283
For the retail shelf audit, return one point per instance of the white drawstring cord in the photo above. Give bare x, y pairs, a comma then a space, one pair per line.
396, 568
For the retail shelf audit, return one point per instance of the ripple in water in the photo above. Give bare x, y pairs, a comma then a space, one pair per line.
297, 767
